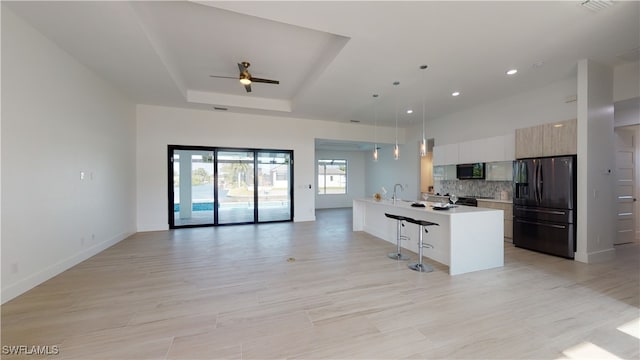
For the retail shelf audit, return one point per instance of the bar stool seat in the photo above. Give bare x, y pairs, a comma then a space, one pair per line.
420, 266
398, 255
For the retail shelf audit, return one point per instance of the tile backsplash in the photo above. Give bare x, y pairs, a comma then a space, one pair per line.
484, 188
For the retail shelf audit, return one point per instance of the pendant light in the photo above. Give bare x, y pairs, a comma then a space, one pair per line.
375, 129
423, 143
396, 150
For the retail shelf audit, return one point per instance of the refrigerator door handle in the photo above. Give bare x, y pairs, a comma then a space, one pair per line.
540, 182
542, 224
543, 211
535, 182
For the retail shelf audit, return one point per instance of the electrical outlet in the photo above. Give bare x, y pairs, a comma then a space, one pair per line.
14, 268
93, 236
81, 175
82, 241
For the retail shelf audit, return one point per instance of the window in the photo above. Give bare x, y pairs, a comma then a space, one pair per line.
332, 177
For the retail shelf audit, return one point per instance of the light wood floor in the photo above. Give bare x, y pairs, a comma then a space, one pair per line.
229, 292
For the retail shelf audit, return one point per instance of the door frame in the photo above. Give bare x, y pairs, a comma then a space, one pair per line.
215, 150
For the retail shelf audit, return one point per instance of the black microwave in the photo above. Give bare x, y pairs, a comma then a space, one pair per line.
470, 171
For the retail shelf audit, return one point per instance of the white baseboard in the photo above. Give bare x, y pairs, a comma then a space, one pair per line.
33, 280
152, 227
303, 219
597, 256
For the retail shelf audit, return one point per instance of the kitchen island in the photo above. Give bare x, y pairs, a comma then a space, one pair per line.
467, 238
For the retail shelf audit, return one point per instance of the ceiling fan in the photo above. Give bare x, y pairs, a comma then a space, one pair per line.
245, 77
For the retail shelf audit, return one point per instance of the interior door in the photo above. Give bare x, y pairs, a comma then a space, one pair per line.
625, 185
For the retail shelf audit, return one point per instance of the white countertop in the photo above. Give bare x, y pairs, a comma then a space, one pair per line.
406, 204
453, 242
497, 201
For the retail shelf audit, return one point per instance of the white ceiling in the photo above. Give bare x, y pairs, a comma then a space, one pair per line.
330, 57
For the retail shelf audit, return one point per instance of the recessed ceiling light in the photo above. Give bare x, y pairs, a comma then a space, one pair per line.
512, 71
409, 111
455, 93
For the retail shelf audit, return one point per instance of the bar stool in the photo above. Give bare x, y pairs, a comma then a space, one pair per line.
398, 255
422, 224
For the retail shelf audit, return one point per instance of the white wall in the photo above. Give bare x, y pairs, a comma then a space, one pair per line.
355, 179
58, 120
159, 126
538, 106
627, 112
386, 172
596, 163
626, 80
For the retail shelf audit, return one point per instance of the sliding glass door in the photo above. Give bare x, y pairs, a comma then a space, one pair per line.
192, 187
211, 186
236, 187
274, 186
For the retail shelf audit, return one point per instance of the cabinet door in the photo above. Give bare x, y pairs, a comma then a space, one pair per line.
509, 147
451, 154
529, 142
560, 138
491, 149
438, 155
466, 152
499, 171
450, 172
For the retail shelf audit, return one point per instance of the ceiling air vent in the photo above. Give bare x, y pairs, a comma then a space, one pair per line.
596, 5
220, 108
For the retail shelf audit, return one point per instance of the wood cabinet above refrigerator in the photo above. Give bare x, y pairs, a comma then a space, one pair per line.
557, 138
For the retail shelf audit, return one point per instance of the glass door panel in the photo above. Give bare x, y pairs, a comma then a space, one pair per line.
274, 186
236, 187
193, 200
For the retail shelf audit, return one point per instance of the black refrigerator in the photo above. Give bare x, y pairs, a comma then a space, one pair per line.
544, 205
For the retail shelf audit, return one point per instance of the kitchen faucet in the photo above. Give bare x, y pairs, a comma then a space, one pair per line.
395, 187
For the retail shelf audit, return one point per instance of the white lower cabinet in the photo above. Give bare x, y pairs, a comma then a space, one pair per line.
507, 208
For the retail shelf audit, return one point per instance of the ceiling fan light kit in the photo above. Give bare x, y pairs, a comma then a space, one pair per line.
245, 77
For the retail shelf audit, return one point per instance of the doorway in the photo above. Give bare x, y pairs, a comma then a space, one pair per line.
626, 184
210, 186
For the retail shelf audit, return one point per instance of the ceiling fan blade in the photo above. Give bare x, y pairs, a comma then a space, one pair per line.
224, 77
248, 87
266, 81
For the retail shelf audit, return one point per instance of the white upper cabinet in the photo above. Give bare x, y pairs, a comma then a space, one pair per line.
509, 147
497, 148
445, 154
